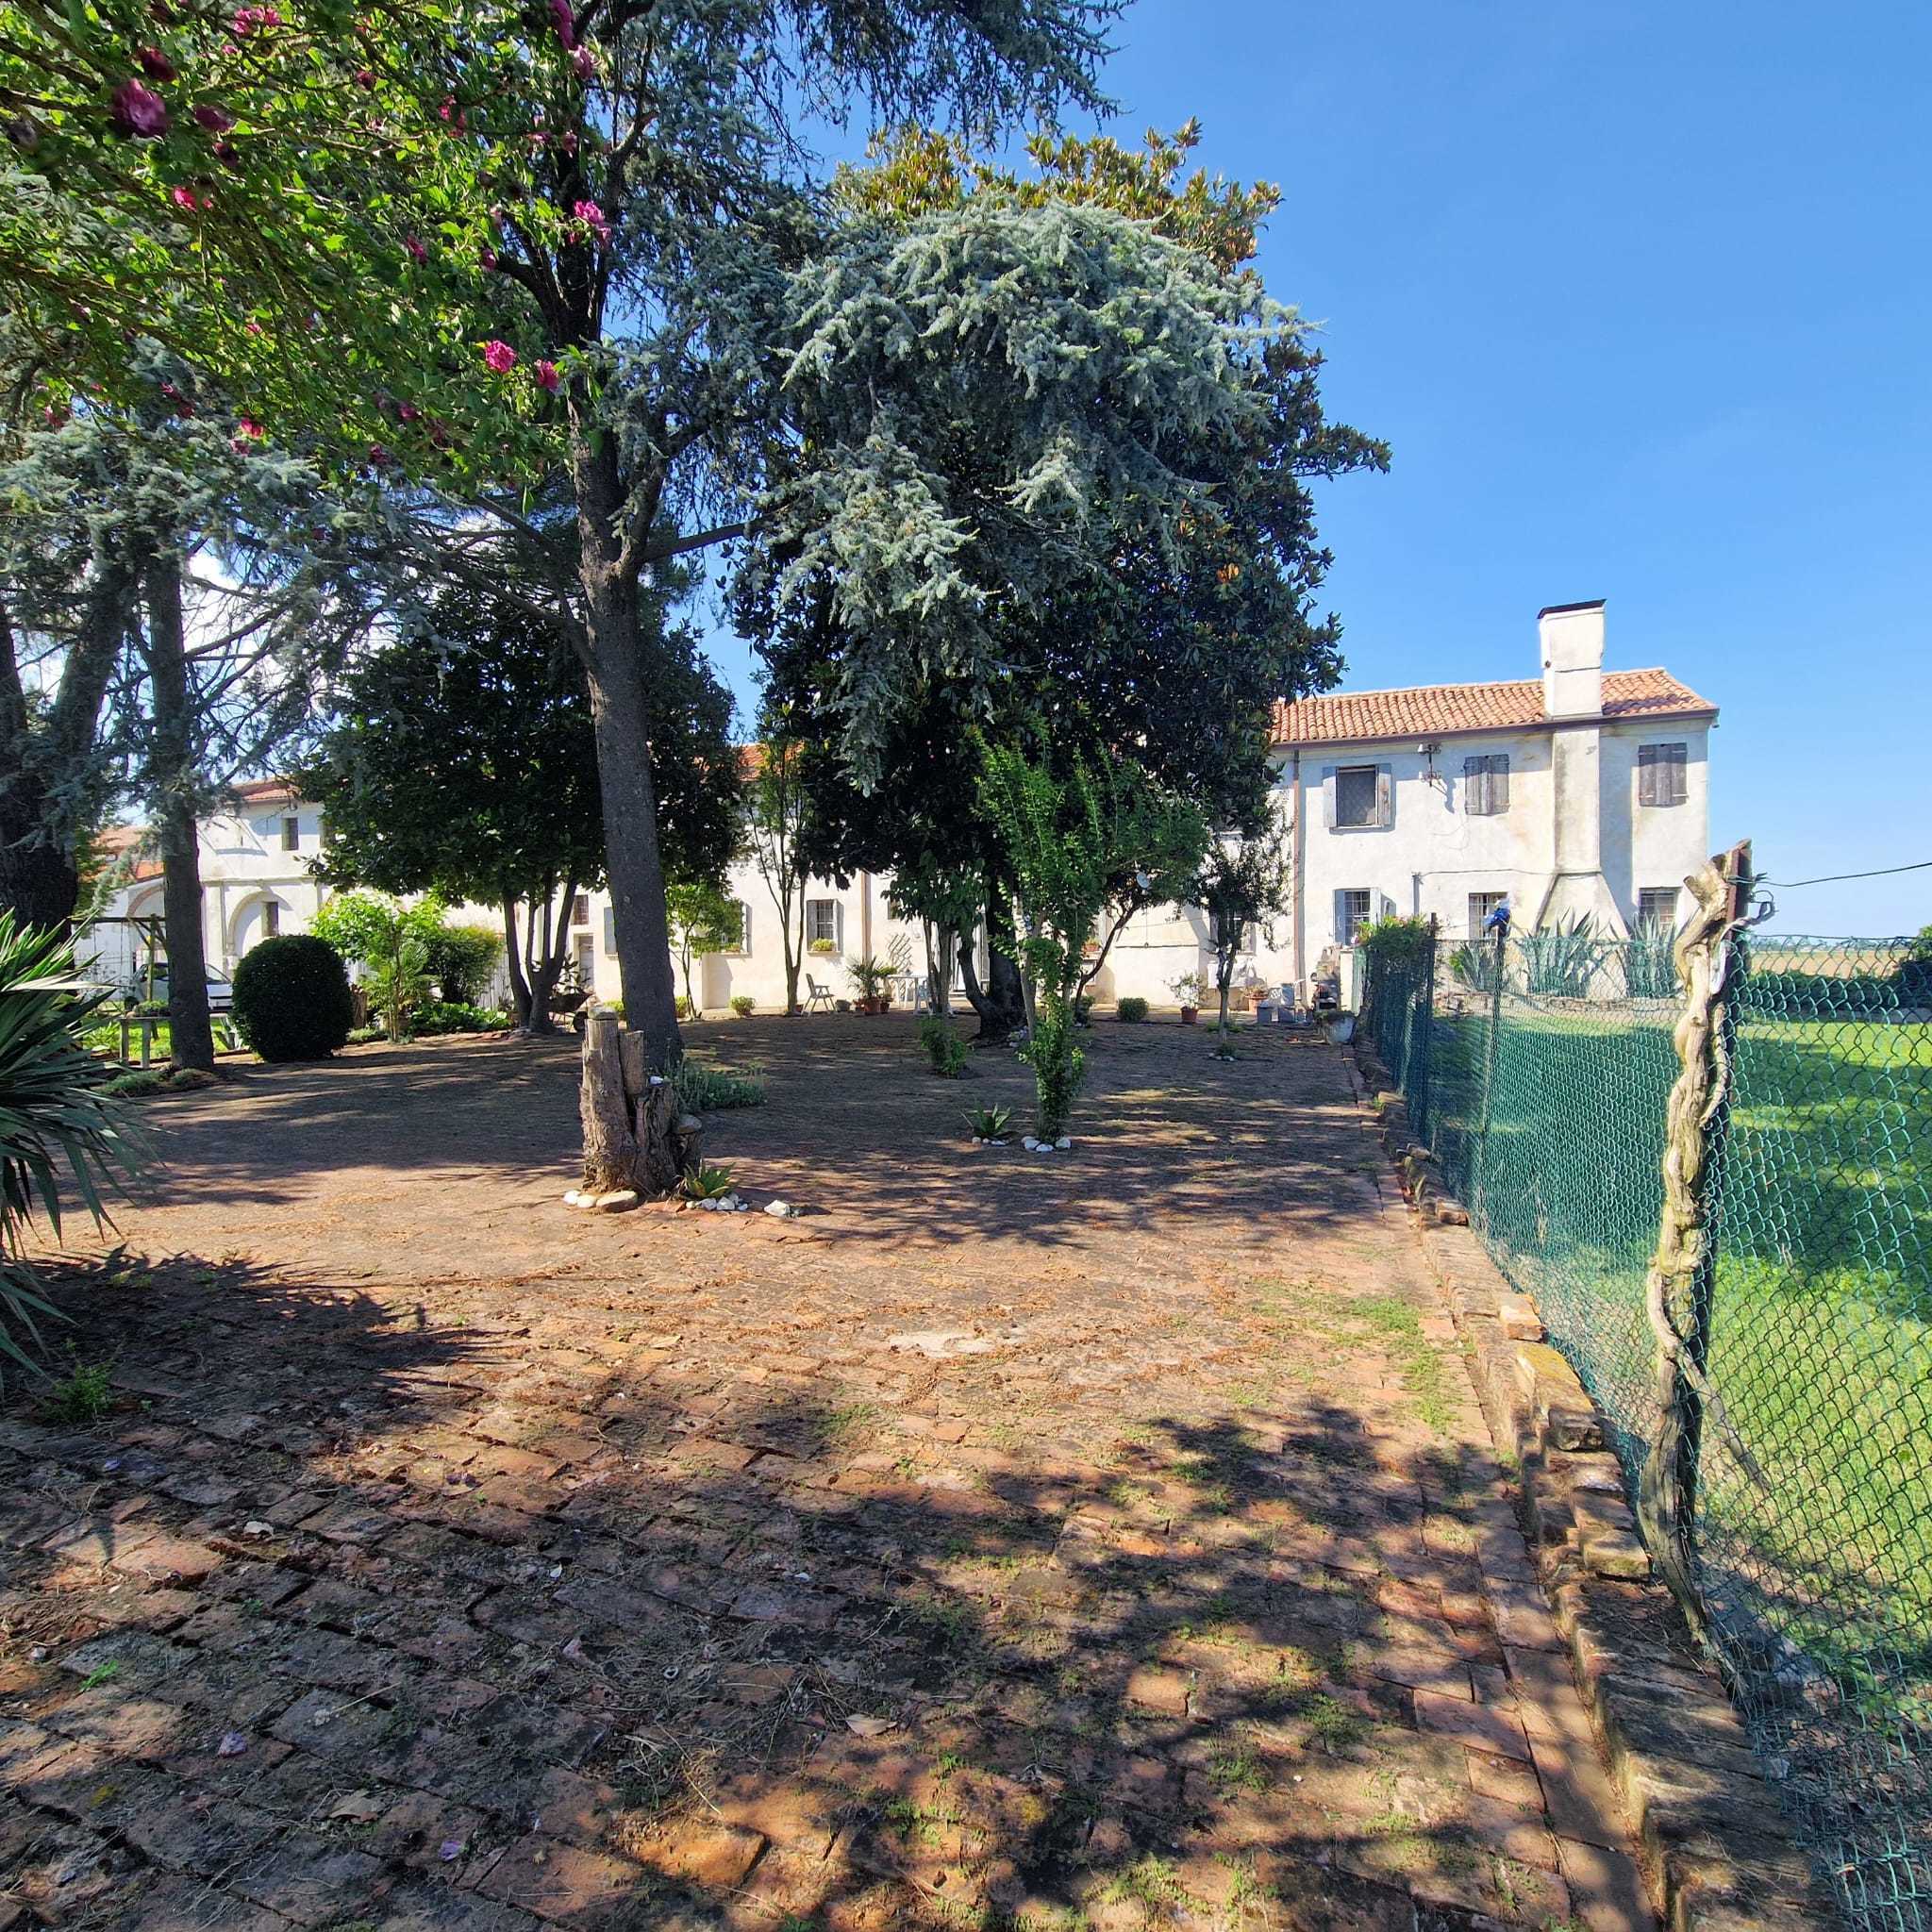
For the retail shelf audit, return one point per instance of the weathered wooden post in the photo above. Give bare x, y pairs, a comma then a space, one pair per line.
1677, 1291
637, 1145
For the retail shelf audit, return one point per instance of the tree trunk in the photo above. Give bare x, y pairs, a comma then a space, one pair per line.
45, 771
616, 673
634, 1140
172, 783
519, 979
1001, 1003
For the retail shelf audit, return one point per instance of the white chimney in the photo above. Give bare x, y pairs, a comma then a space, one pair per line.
1573, 647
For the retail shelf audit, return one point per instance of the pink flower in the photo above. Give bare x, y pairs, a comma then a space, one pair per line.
585, 63
547, 376
251, 327
137, 111
216, 120
183, 198
487, 256
365, 78
153, 63
407, 412
417, 251
53, 418
566, 23
377, 455
592, 218
225, 154
250, 429
499, 356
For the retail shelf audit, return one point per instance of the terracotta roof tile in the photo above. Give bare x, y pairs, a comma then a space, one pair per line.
1438, 711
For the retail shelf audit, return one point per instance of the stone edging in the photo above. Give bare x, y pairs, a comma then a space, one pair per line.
1716, 1848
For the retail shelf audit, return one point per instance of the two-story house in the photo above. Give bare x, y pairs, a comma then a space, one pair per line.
1583, 793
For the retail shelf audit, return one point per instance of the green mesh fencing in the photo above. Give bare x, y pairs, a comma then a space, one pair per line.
1539, 1071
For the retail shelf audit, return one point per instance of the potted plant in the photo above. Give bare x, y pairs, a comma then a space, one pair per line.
823, 948
871, 980
1187, 989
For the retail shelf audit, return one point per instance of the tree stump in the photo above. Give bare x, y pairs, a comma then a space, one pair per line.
633, 1135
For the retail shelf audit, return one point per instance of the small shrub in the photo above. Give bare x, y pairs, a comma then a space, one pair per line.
684, 1008
83, 1396
443, 1016
989, 1123
705, 1088
365, 1035
461, 961
741, 1004
1058, 1066
1132, 1009
292, 1000
705, 1183
945, 1052
136, 1085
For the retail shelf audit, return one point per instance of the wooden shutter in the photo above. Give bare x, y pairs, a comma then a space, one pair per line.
1499, 781
1475, 786
1328, 798
1677, 772
1646, 774
1385, 795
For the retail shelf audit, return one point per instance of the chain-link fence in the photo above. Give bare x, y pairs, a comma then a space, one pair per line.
1537, 1069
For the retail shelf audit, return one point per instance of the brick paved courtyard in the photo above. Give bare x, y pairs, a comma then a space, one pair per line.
1097, 1540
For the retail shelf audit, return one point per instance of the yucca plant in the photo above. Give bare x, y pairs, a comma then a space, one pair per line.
989, 1123
55, 1122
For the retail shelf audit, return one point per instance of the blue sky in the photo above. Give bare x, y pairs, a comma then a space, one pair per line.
1642, 295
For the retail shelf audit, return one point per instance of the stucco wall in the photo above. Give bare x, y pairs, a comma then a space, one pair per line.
1431, 856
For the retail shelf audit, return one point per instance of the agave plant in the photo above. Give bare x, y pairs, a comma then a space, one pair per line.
705, 1183
989, 1123
55, 1122
1650, 966
1563, 959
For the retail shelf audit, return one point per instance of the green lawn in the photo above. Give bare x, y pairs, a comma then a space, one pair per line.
1821, 1331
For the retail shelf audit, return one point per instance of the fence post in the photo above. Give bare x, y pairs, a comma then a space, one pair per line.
1479, 1172
1677, 1291
1422, 1037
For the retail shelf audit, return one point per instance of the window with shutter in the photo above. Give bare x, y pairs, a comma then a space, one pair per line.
1357, 795
1353, 908
744, 944
821, 924
1662, 774
1485, 784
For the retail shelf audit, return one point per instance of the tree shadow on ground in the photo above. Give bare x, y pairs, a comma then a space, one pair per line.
372, 1612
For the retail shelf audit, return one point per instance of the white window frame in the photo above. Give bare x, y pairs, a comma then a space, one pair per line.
1347, 924
836, 935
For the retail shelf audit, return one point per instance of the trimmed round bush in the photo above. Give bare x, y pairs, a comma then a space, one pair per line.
1131, 1009
292, 1000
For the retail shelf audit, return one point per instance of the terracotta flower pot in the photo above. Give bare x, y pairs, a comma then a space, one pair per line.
1188, 1015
